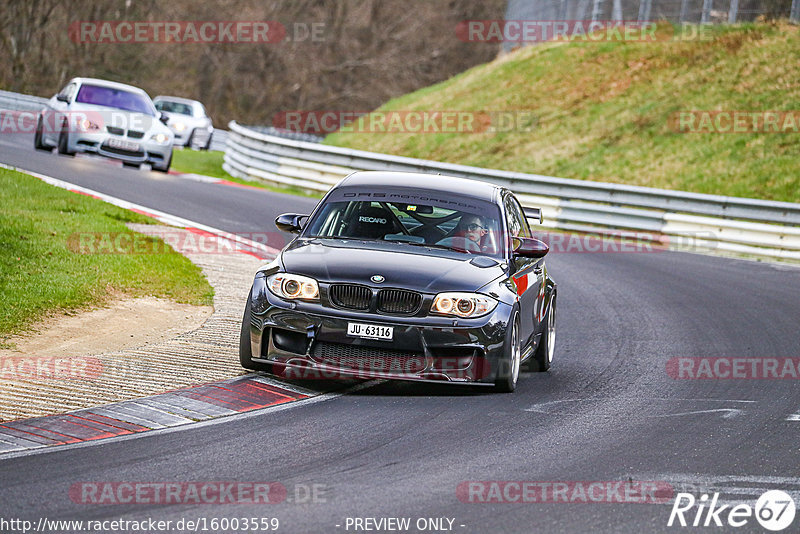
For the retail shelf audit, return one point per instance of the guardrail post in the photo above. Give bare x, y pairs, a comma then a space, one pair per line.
733, 12
644, 10
597, 9
684, 10
708, 5
616, 12
795, 15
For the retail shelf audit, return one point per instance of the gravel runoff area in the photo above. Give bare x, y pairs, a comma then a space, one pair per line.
208, 353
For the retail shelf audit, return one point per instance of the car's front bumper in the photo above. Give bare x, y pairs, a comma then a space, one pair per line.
310, 341
184, 136
148, 151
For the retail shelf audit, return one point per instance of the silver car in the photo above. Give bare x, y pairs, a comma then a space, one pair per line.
188, 121
111, 119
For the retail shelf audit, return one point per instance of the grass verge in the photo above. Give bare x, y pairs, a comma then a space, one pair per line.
40, 274
606, 111
209, 163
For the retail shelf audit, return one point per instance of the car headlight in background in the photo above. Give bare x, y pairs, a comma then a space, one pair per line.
160, 138
293, 286
179, 126
462, 304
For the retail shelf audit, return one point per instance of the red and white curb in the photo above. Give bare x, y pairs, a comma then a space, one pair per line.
175, 408
196, 405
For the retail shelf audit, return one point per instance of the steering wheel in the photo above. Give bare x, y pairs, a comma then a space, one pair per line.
460, 243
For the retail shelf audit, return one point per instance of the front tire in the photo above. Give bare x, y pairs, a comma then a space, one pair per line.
63, 143
509, 365
38, 143
165, 168
245, 348
544, 352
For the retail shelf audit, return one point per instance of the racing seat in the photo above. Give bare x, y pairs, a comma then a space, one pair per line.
371, 222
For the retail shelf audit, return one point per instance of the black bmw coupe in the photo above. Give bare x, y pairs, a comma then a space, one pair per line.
409, 277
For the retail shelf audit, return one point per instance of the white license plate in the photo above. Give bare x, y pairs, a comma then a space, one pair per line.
123, 144
370, 331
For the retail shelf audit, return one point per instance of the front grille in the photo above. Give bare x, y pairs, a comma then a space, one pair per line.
350, 296
369, 359
122, 152
133, 134
399, 301
114, 130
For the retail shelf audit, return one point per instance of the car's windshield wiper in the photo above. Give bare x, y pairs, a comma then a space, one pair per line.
429, 245
344, 237
412, 243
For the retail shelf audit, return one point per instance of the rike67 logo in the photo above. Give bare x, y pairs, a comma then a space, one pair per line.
774, 510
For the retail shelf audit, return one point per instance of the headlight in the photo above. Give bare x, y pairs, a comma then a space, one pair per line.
293, 286
88, 126
462, 304
160, 138
179, 126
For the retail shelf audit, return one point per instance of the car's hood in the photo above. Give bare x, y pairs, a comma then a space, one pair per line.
409, 267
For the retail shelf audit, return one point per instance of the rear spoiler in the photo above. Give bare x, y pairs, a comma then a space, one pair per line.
533, 213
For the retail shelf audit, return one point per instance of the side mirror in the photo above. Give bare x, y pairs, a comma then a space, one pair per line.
529, 247
163, 117
62, 98
290, 222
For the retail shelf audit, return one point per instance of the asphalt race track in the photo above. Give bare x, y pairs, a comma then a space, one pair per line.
607, 411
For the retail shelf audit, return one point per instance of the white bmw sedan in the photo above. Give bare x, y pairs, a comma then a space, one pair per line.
188, 121
111, 119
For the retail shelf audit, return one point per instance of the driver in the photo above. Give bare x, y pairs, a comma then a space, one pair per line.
471, 227
467, 234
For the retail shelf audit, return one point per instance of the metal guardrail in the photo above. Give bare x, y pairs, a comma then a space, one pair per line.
684, 220
288, 134
219, 140
20, 102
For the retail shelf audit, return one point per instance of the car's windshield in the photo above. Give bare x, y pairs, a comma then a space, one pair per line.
174, 107
114, 98
470, 226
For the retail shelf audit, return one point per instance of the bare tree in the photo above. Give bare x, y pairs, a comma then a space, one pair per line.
369, 51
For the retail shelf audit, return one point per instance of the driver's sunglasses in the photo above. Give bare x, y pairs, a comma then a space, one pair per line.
473, 227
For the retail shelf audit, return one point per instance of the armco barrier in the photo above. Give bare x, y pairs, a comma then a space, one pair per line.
747, 226
19, 102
